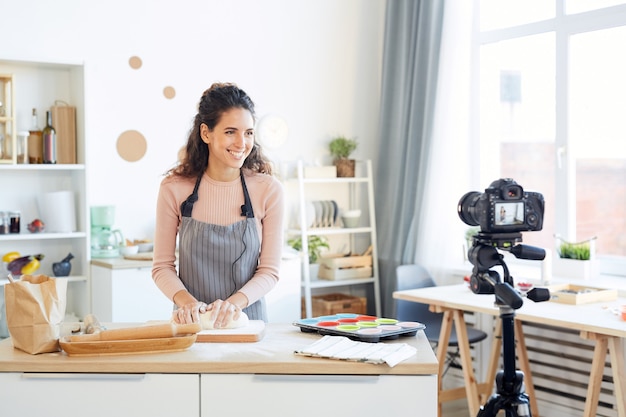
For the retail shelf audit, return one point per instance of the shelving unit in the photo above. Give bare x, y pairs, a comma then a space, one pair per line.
355, 191
38, 85
8, 132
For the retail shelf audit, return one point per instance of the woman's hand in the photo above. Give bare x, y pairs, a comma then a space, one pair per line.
223, 311
189, 313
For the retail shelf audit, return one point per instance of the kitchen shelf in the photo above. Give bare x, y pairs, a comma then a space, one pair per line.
43, 167
73, 278
41, 236
331, 231
306, 190
323, 283
40, 85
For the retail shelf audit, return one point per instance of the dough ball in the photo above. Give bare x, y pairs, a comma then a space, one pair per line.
207, 322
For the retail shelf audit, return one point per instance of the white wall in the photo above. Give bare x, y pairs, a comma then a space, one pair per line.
316, 63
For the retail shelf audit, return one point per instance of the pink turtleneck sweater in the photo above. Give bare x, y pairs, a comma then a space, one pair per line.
220, 203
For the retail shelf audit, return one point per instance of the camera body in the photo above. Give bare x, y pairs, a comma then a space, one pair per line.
504, 207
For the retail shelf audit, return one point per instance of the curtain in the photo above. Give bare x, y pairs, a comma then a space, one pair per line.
424, 156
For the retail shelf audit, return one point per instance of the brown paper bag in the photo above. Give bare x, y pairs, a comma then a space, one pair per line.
35, 307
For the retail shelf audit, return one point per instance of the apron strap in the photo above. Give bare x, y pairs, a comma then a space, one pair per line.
187, 207
246, 209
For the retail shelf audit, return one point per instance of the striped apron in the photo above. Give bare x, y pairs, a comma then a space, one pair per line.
216, 261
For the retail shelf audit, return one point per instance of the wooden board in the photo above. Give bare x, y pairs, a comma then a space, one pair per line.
122, 347
253, 332
141, 256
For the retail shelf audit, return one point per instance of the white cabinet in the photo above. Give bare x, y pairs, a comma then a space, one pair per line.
99, 395
40, 85
315, 395
350, 193
127, 295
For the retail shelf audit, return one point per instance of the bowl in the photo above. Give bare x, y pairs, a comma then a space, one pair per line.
129, 250
350, 221
145, 247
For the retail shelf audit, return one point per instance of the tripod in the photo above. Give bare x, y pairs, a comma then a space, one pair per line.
510, 396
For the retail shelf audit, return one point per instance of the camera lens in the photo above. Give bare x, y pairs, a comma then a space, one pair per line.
467, 208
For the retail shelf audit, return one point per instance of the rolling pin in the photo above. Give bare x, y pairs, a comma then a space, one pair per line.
142, 332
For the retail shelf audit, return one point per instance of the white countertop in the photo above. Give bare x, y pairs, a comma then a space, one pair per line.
274, 354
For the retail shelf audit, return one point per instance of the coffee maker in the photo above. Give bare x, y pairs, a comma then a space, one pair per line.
105, 242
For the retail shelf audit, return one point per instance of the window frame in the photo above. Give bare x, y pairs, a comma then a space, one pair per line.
563, 26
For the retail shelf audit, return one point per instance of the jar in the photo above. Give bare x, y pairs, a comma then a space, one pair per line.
4, 223
14, 222
22, 147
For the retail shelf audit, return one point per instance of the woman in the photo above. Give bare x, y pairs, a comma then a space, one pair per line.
227, 210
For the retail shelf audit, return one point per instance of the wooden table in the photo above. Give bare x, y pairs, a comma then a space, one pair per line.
592, 321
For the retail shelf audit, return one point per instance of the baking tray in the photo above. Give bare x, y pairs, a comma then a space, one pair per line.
359, 327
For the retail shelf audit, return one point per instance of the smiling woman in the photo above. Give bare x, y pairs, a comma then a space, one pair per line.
219, 203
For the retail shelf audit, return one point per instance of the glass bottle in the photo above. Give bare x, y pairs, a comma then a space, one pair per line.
49, 141
35, 142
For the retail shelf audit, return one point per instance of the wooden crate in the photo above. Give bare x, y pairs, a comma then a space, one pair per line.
580, 294
329, 304
345, 267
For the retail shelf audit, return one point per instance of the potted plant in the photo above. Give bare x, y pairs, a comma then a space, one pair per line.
340, 149
315, 246
576, 259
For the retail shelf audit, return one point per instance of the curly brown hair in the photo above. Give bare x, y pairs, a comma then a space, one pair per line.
215, 101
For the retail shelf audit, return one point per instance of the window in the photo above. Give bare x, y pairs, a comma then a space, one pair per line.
552, 113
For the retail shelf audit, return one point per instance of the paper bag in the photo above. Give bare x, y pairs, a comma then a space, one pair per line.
35, 307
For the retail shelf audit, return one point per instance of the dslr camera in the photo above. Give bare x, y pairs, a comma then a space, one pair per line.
504, 207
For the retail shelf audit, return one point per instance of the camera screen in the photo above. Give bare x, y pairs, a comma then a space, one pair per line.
509, 213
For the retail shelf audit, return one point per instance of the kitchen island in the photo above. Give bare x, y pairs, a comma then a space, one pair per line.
210, 378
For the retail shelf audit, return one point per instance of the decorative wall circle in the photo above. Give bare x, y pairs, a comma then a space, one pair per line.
169, 92
131, 145
135, 62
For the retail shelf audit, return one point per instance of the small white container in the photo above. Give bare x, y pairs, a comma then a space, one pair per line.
129, 250
145, 247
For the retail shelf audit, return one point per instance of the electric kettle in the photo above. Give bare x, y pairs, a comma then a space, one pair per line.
105, 242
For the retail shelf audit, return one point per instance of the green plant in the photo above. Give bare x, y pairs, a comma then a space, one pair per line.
315, 245
575, 250
341, 147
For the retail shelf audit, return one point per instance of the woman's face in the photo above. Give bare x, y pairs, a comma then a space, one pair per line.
230, 142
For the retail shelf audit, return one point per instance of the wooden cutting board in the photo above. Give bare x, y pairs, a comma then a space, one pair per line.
125, 347
253, 332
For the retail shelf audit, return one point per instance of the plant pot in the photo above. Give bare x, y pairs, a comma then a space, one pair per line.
314, 270
575, 268
345, 167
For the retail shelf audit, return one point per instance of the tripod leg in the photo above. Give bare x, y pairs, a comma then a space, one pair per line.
494, 358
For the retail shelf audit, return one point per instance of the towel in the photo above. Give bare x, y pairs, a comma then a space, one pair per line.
342, 348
